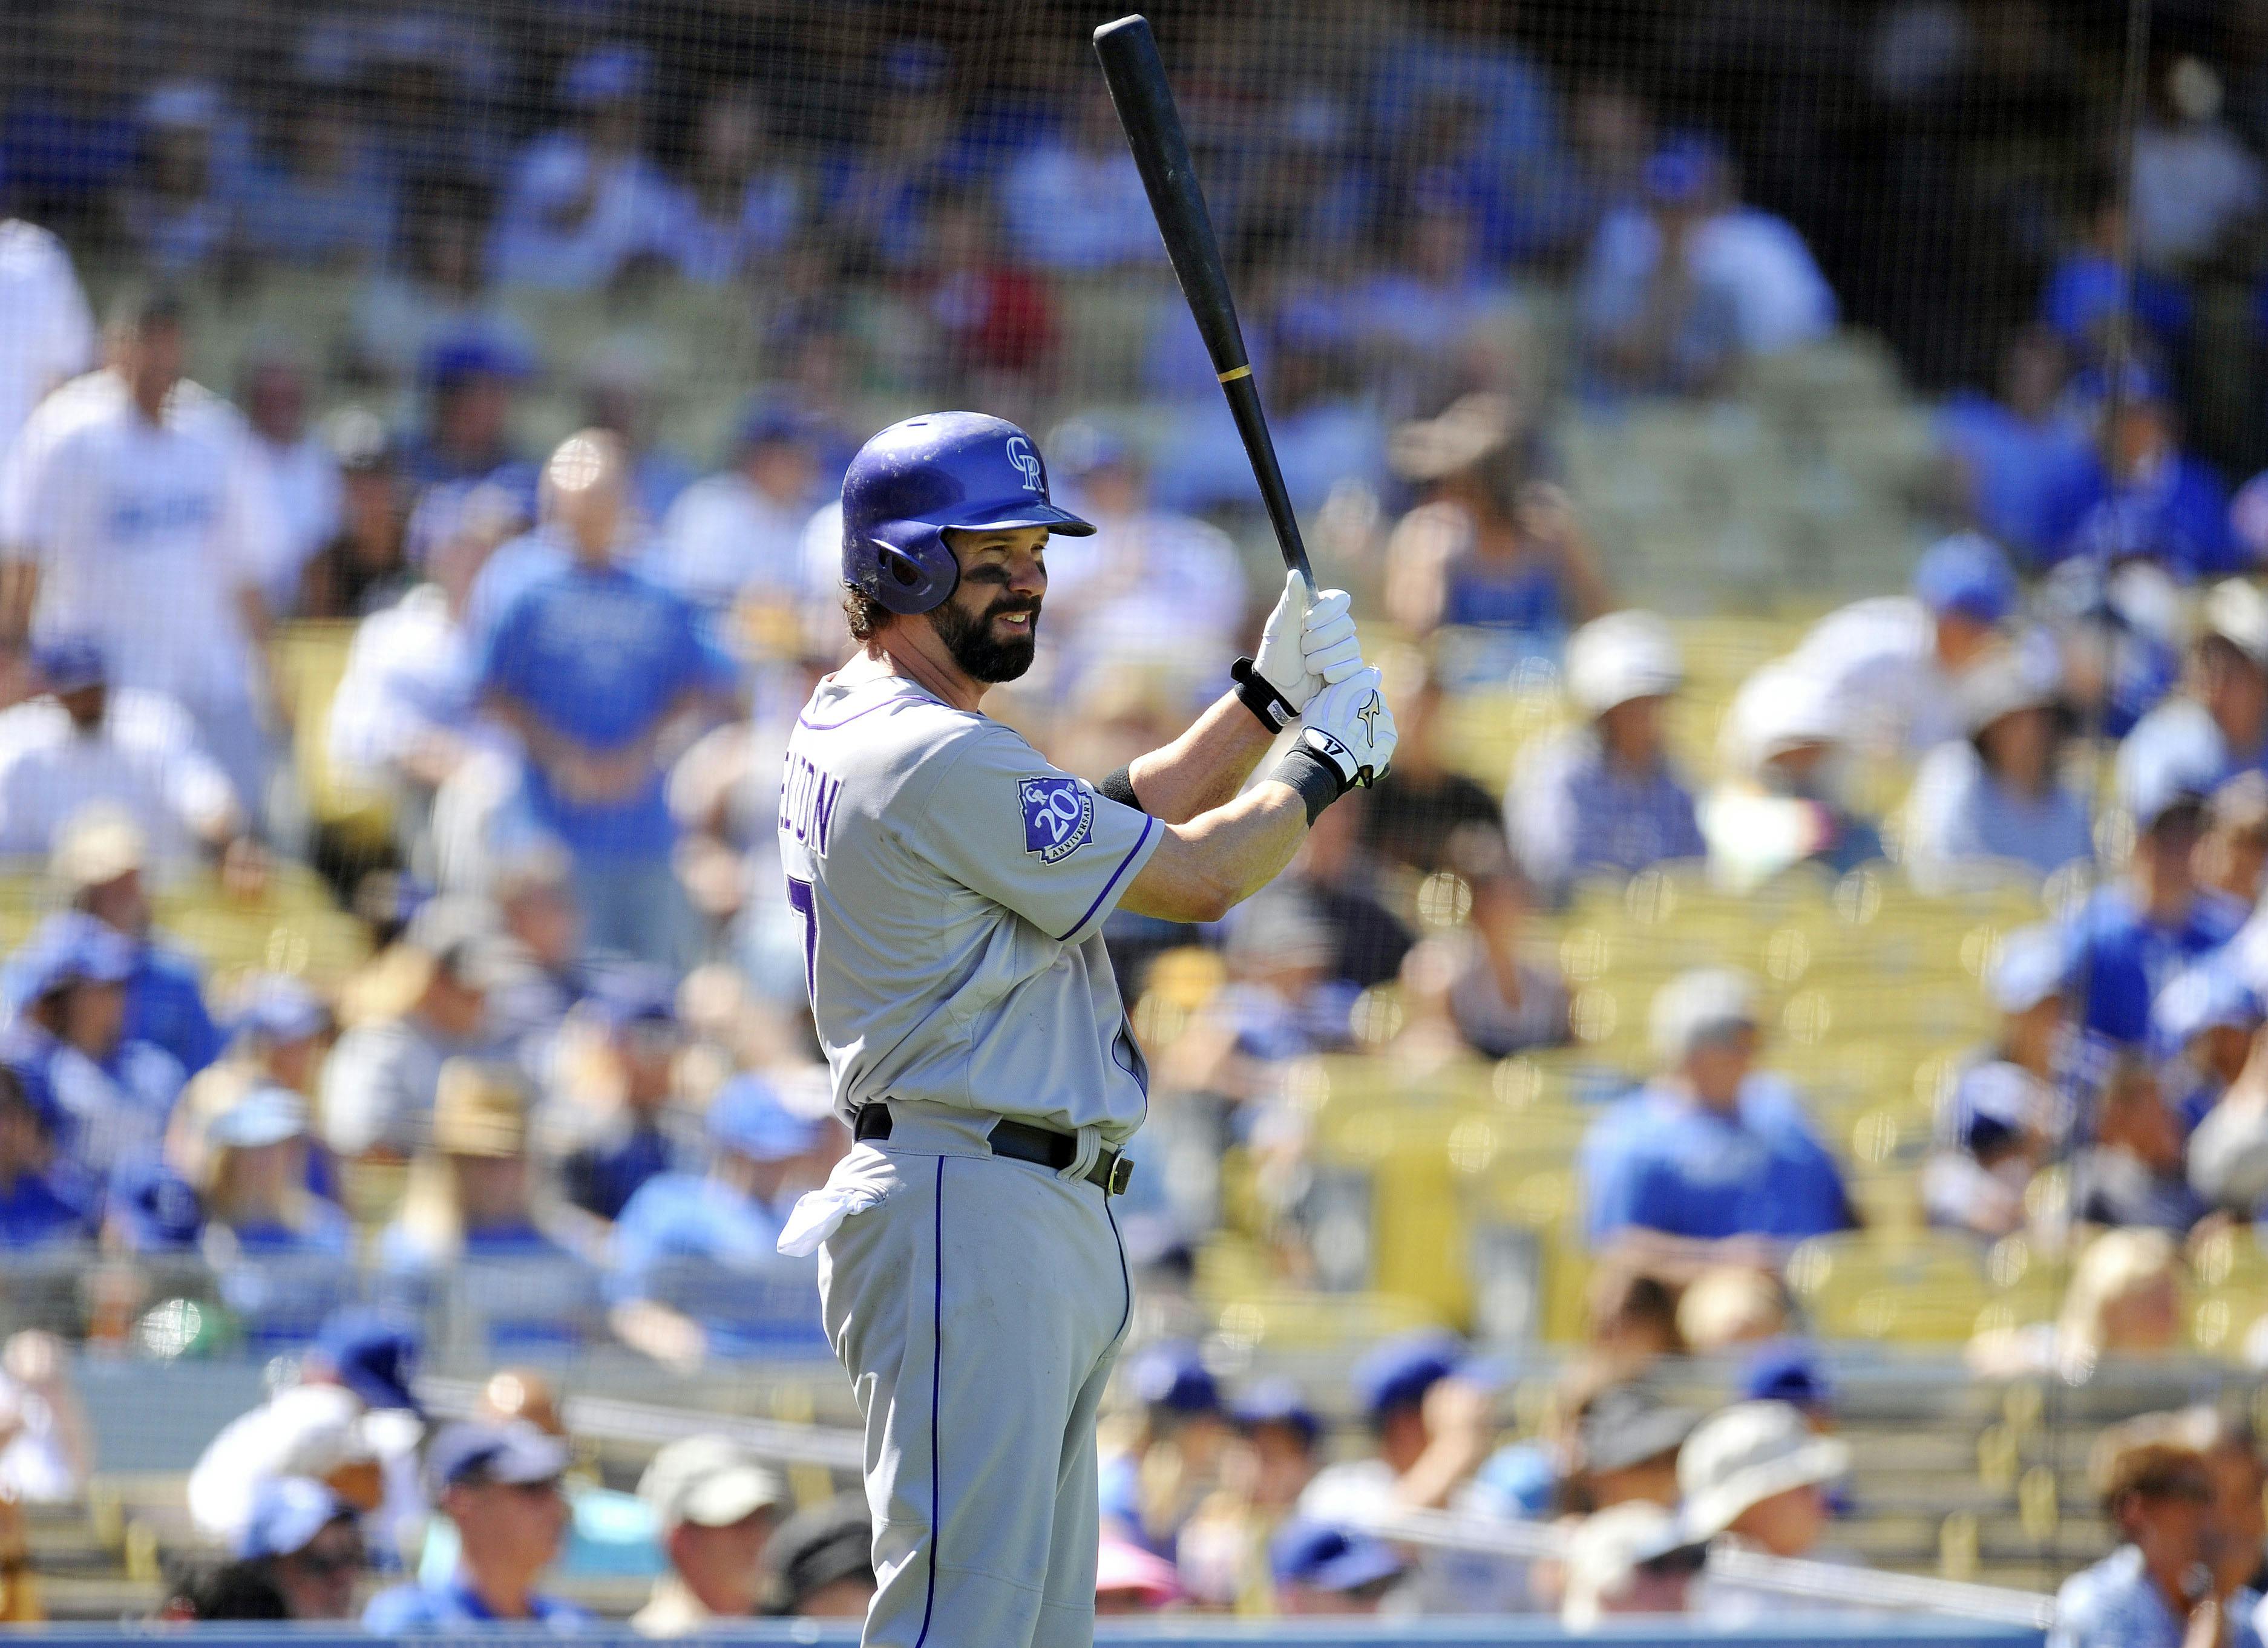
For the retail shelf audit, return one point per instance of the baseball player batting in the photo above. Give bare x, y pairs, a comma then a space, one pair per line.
953, 887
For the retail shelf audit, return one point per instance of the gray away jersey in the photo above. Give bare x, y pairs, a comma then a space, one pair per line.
952, 888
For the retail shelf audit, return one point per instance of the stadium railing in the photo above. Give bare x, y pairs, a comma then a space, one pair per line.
1838, 1631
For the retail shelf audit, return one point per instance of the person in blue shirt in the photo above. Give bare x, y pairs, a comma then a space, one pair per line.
1603, 797
98, 863
1182, 1405
637, 1010
2217, 723
2144, 497
2130, 939
2158, 1494
1710, 1151
35, 1209
2201, 1028
1994, 802
2020, 459
500, 1485
762, 1156
595, 667
2090, 283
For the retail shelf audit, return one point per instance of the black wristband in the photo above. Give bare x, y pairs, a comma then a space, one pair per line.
1256, 693
1119, 787
1317, 777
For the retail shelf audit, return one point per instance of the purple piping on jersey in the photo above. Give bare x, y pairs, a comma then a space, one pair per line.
936, 1385
829, 727
1148, 824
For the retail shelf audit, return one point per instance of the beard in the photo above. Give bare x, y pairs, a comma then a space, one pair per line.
973, 648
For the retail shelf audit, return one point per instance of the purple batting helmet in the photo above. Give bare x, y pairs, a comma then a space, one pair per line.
916, 478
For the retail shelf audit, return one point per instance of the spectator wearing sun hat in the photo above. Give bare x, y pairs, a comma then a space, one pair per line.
717, 1506
1756, 1474
1603, 797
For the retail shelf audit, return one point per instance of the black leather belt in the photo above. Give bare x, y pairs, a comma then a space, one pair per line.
1021, 1141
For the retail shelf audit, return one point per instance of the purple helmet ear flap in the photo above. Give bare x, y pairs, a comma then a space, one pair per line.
905, 565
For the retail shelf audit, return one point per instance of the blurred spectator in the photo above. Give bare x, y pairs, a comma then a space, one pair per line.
380, 1082
2090, 283
470, 374
1629, 1318
585, 200
1173, 1457
305, 1538
619, 393
819, 1563
1894, 663
299, 467
2217, 726
2120, 631
1995, 803
47, 332
638, 1135
2125, 1299
2195, 183
253, 1182
1785, 797
1074, 201
1130, 1580
1633, 1558
201, 1588
1502, 998
2233, 857
716, 1508
1324, 1570
47, 1451
2018, 461
2231, 1449
1425, 815
595, 668
1624, 1445
319, 197
314, 1431
762, 1158
1603, 797
1712, 1160
1727, 1306
991, 322
2134, 1173
744, 198
1756, 1473
2135, 933
360, 567
1417, 314
435, 286
1431, 1424
1492, 547
128, 756
37, 1206
1994, 1136
2157, 1492
131, 513
2201, 1028
556, 971
1220, 1557
1154, 589
2145, 498
914, 148
1791, 1370
176, 211
737, 536
500, 1484
1675, 292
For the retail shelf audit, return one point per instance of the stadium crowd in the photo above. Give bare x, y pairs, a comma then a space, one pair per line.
570, 1096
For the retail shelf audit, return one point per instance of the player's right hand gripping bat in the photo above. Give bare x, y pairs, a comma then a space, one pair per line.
1153, 131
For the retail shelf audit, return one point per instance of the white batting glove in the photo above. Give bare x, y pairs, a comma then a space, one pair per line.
1348, 724
1309, 641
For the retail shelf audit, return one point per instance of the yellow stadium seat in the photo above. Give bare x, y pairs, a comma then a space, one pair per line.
1916, 1286
312, 657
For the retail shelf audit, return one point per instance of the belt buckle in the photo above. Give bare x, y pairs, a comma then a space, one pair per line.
1122, 1174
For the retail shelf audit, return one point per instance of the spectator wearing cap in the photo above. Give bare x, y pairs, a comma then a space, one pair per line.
372, 1355
243, 1163
500, 1485
2136, 1171
1894, 663
1282, 1433
716, 1507
110, 1093
1791, 1370
761, 1156
177, 210
471, 374
1632, 1559
635, 1010
737, 536
1323, 1569
1711, 1155
1785, 799
306, 1540
37, 1208
1653, 316
379, 1081
2144, 497
2157, 1492
1172, 1457
1994, 802
133, 516
2134, 934
1603, 798
2216, 726
128, 750
1220, 1557
360, 566
1994, 1135
1623, 1441
586, 199
97, 866
280, 1030
599, 671
819, 1563
2201, 1028
1755, 1476
297, 464
311, 1431
2014, 460
1431, 1419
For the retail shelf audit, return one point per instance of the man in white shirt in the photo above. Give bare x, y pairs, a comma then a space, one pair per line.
301, 473
86, 744
46, 334
738, 534
130, 513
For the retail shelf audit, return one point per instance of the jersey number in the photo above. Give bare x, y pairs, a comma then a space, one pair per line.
801, 901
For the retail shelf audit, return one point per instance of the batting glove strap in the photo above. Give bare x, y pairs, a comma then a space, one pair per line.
1318, 778
1258, 694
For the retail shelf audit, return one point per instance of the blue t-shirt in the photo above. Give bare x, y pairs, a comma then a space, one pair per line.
602, 1178
2115, 1604
1660, 1161
600, 655
36, 1211
702, 1248
2177, 518
690, 1215
2023, 477
426, 1610
2125, 959
165, 1005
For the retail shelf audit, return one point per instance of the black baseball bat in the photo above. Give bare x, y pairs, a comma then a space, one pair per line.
1153, 131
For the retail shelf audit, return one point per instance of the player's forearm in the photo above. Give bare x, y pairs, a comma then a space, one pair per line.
1206, 767
1204, 868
